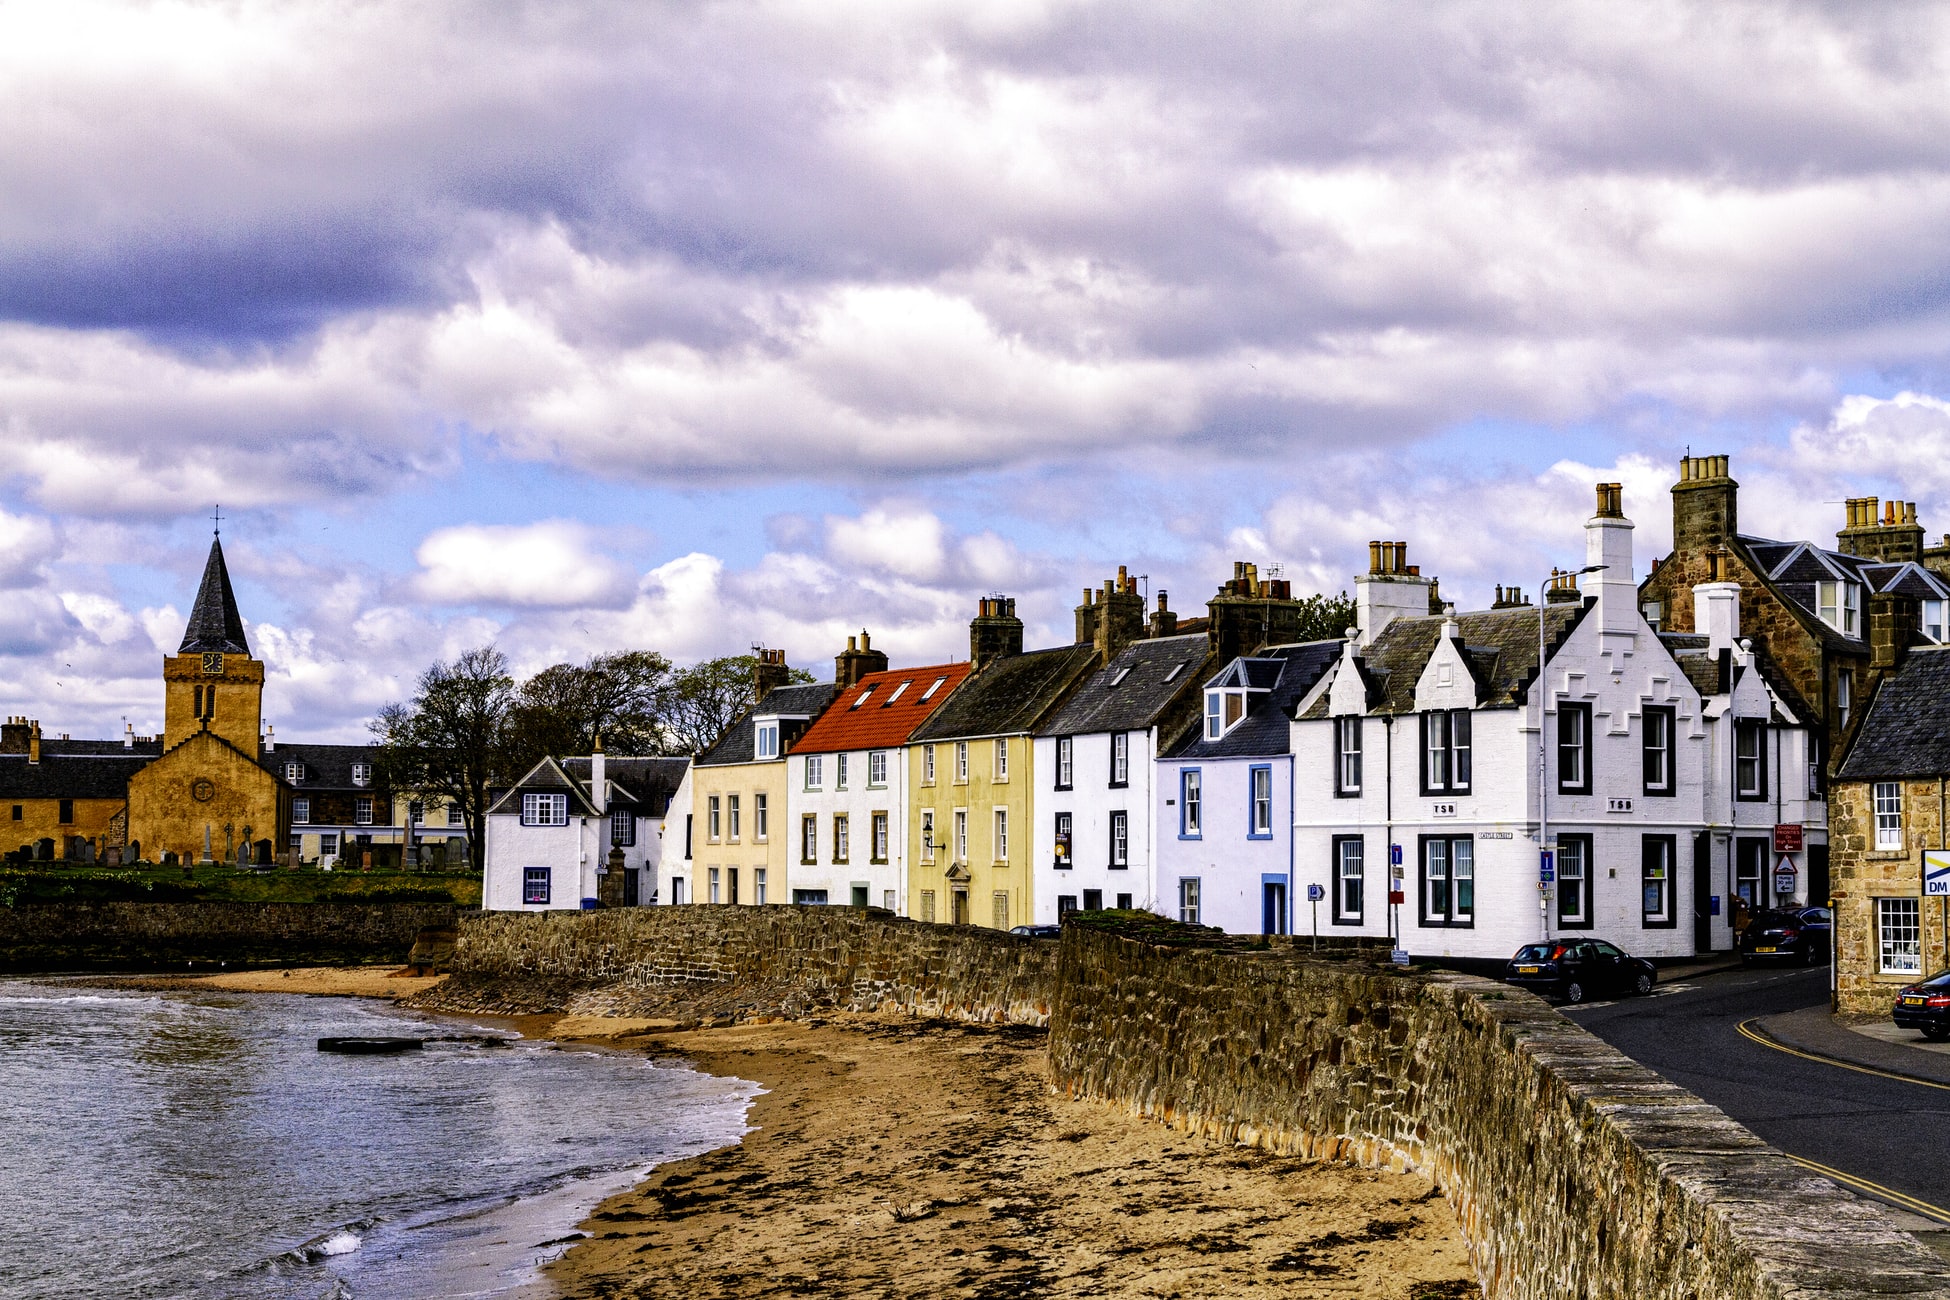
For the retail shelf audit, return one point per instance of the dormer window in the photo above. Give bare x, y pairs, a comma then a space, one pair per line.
765, 741
294, 772
362, 774
1840, 606
1224, 710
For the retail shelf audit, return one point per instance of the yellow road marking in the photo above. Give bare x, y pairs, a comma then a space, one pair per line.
1890, 1194
1754, 1036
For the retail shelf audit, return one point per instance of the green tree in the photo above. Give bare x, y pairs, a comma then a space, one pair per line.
1325, 618
705, 698
448, 743
563, 709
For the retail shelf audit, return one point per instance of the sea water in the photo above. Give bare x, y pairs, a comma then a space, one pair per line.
199, 1145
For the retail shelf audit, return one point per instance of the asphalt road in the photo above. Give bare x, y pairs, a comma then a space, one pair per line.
1886, 1132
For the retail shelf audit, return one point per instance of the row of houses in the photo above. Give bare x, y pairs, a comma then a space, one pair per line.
1640, 757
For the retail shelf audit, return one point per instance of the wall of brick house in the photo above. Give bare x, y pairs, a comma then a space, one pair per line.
1573, 1170
1862, 874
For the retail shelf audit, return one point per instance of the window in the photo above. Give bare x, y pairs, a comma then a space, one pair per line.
454, 817
1093, 899
815, 771
809, 838
20, 811
1065, 761
1889, 816
1188, 900
898, 692
689, 823
1122, 673
1932, 620
362, 774
1001, 758
734, 822
927, 835
534, 886
889, 898
1190, 809
1817, 782
294, 772
961, 834
731, 885
877, 767
1448, 880
809, 897
1120, 758
362, 810
1259, 816
1001, 834
1347, 756
1574, 882
677, 887
1899, 948
1655, 755
758, 886
879, 846
761, 817
1750, 860
1063, 845
1656, 881
1654, 612
1176, 669
961, 760
66, 812
927, 895
927, 695
416, 813
1749, 759
1223, 712
1349, 867
1573, 748
714, 885
714, 819
1065, 904
839, 771
765, 743
1001, 916
1120, 841
1840, 606
1844, 694
328, 844
863, 697
927, 764
622, 828
842, 839
300, 811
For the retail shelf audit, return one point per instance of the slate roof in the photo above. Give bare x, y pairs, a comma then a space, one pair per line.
1141, 683
1264, 729
892, 709
1009, 696
1907, 730
1500, 644
547, 774
646, 782
327, 767
736, 745
1796, 567
72, 776
214, 621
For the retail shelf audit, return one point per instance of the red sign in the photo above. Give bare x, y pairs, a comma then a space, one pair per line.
1787, 837
1396, 896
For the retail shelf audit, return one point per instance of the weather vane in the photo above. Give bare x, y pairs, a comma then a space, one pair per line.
216, 521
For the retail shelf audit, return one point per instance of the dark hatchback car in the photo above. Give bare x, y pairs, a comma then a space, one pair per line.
1787, 934
1925, 1007
1578, 969
1038, 931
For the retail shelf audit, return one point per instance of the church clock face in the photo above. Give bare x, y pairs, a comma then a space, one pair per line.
213, 662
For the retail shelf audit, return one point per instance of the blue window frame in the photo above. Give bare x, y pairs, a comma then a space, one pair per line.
1259, 801
1191, 804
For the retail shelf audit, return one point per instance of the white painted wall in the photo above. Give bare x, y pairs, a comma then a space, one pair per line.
572, 854
1231, 865
1090, 802
858, 800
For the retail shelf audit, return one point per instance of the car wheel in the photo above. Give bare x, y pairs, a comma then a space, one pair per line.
1573, 991
1643, 984
1936, 1035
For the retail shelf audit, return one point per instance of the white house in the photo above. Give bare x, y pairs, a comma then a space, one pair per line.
1433, 762
556, 836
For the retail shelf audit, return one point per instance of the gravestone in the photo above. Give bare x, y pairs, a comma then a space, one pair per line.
44, 849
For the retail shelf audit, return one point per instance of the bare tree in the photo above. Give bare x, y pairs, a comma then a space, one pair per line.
561, 710
449, 742
705, 698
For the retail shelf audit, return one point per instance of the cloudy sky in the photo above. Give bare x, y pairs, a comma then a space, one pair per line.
691, 326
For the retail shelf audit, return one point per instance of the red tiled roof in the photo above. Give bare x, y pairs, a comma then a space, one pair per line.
881, 709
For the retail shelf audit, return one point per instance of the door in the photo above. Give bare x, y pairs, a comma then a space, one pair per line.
859, 895
1272, 908
632, 887
1703, 892
1818, 875
959, 907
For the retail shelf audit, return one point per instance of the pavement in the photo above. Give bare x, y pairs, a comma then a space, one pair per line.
1870, 1114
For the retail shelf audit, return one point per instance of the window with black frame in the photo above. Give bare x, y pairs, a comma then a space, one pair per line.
1656, 751
1447, 754
1574, 882
1750, 759
1448, 880
1347, 756
1656, 881
1573, 748
1063, 842
1349, 879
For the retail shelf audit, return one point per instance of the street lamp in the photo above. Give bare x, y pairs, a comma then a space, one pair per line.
1543, 744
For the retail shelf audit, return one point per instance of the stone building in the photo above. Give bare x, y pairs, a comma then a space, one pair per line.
67, 800
1886, 823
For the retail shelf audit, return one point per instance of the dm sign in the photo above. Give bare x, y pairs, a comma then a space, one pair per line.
1936, 873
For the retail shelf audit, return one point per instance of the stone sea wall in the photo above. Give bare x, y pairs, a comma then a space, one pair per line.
172, 936
1574, 1172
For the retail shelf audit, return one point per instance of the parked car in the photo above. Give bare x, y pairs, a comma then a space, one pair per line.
1038, 931
1788, 934
1925, 1007
1577, 969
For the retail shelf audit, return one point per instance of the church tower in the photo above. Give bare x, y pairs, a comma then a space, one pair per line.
211, 683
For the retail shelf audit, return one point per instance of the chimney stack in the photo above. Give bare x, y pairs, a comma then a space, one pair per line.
13, 736
768, 671
995, 632
1250, 613
599, 781
1392, 588
1892, 627
1705, 504
1112, 619
128, 737
857, 660
1893, 538
34, 742
1163, 621
1716, 614
1608, 543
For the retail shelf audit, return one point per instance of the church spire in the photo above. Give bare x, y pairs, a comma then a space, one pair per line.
214, 622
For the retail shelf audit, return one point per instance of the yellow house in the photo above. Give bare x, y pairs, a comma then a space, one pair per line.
971, 771
740, 839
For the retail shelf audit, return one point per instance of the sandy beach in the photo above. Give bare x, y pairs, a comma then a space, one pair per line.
317, 981
895, 1157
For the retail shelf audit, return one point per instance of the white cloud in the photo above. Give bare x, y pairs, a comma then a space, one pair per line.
553, 563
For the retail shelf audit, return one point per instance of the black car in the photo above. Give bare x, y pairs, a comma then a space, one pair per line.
1787, 934
1038, 931
1577, 969
1925, 1007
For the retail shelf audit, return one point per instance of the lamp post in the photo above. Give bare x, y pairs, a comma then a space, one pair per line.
1543, 746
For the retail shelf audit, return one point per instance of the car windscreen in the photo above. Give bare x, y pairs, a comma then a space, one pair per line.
1773, 920
1534, 952
1938, 981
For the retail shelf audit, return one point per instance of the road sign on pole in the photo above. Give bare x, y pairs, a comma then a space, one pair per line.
1546, 867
